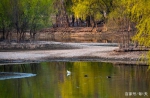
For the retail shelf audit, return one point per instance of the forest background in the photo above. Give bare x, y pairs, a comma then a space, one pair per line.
129, 16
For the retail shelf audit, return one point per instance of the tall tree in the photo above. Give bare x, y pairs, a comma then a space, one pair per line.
139, 10
95, 8
119, 20
61, 7
23, 15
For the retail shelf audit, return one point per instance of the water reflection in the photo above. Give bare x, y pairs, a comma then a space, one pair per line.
76, 80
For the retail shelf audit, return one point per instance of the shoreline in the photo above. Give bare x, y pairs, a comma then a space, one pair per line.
58, 51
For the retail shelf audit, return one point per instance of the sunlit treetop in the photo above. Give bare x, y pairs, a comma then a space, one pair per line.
83, 8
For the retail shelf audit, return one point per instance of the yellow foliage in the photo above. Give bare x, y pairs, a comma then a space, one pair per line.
83, 8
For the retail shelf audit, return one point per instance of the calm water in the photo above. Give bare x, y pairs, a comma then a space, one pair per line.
76, 80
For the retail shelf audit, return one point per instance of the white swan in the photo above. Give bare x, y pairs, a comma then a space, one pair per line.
68, 73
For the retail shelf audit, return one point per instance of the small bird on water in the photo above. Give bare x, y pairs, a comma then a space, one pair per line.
85, 75
108, 76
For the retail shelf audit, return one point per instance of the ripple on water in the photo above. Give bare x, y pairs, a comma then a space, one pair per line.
14, 75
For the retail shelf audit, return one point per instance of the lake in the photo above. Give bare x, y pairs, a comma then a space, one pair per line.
74, 80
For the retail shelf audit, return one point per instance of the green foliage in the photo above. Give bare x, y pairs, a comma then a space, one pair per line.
25, 15
138, 11
5, 10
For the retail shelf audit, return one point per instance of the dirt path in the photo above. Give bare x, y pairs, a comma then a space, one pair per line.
82, 52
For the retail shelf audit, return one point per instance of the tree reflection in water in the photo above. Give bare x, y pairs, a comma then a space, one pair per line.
87, 80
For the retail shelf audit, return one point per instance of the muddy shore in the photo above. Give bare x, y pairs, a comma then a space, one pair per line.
58, 51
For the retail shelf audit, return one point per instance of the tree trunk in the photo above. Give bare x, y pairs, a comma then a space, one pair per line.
73, 19
88, 21
3, 37
92, 22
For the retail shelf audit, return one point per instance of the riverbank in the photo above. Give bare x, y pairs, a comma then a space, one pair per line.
103, 52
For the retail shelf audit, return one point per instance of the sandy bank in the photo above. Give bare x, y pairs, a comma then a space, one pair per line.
73, 52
